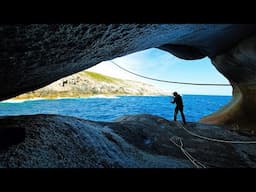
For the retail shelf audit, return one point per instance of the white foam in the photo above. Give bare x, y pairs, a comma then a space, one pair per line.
96, 96
21, 100
104, 96
58, 98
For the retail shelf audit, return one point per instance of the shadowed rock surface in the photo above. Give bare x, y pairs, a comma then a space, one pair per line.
130, 141
33, 56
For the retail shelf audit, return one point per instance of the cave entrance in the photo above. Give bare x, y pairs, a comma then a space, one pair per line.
106, 92
161, 65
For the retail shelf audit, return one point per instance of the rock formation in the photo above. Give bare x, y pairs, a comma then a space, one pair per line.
136, 141
33, 56
86, 83
238, 65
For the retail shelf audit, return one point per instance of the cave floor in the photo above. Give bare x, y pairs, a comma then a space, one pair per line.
132, 141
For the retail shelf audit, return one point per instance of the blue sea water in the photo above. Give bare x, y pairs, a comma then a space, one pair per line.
110, 108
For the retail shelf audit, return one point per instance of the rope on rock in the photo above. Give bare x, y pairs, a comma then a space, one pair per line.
177, 141
213, 139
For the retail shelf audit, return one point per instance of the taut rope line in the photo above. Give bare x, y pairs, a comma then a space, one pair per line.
166, 81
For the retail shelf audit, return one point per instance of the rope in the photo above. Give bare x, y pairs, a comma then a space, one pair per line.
175, 82
213, 139
194, 161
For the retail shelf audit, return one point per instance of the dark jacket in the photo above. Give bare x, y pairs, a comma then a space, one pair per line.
178, 100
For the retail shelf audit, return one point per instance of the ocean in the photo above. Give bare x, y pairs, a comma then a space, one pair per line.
109, 108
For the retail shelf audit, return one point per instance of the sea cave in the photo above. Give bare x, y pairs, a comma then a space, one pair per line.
35, 55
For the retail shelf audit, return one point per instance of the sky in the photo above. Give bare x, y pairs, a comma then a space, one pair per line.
159, 64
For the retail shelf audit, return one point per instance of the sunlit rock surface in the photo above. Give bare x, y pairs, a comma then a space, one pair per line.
239, 66
129, 142
85, 84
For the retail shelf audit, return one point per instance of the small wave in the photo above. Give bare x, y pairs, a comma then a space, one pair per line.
96, 96
64, 98
104, 96
21, 100
144, 95
91, 97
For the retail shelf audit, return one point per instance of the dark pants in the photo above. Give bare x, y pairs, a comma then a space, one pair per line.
177, 109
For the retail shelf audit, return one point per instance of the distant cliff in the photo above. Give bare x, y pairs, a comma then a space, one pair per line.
87, 83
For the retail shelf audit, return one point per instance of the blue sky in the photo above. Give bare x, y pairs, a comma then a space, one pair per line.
160, 64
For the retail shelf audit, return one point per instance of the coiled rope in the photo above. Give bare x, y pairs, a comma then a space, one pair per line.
165, 81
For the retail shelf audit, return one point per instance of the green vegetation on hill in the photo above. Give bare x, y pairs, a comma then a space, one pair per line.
100, 77
87, 83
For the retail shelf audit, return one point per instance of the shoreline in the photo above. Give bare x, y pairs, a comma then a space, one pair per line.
17, 100
20, 100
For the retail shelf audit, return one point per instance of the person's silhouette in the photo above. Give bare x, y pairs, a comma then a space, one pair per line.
179, 106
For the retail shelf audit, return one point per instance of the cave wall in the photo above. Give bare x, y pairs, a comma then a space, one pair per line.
33, 56
238, 65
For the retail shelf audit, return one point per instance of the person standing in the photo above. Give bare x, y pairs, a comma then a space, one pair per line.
179, 107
